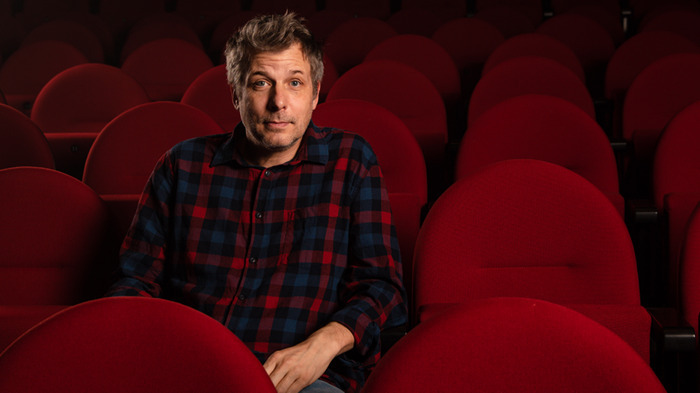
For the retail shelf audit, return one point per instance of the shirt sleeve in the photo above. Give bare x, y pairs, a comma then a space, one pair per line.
143, 250
372, 291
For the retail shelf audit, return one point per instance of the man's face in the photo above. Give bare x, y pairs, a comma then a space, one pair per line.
277, 100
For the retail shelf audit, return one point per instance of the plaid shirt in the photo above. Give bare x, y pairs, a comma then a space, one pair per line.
273, 254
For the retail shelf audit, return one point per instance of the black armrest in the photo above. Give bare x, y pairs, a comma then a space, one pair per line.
670, 331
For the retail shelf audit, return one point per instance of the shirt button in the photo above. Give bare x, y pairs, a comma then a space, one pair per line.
241, 297
253, 260
268, 173
258, 215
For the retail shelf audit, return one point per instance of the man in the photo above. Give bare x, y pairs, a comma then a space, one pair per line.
280, 230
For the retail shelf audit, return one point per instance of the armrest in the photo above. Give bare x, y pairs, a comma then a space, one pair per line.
642, 211
670, 332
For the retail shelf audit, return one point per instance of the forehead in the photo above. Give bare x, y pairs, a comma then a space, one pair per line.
289, 60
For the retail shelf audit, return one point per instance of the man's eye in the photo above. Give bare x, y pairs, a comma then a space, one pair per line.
295, 83
260, 83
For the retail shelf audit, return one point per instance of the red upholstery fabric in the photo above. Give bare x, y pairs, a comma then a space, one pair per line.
121, 15
658, 93
29, 68
525, 228
166, 67
545, 128
166, 25
127, 149
690, 271
447, 9
302, 8
348, 44
469, 41
401, 161
224, 30
396, 148
211, 93
530, 8
676, 180
15, 320
53, 237
636, 53
405, 92
511, 345
21, 142
72, 108
380, 9
131, 345
204, 16
72, 33
535, 44
528, 75
605, 12
683, 22
509, 20
425, 55
591, 42
419, 21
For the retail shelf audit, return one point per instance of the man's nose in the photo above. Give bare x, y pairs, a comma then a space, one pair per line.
278, 99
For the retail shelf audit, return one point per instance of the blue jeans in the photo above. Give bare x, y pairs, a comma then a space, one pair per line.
321, 387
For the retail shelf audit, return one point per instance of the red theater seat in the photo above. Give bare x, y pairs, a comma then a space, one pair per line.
72, 108
546, 128
126, 150
528, 75
530, 228
131, 344
21, 142
511, 345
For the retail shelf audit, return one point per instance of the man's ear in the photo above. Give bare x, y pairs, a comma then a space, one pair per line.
317, 94
234, 97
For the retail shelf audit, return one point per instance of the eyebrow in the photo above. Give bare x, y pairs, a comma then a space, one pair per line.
262, 73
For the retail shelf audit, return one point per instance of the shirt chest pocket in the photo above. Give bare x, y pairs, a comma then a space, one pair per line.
308, 234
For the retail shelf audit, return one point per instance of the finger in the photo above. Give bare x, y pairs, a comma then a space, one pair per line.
286, 383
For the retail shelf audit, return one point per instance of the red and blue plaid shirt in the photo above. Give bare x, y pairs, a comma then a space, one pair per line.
273, 254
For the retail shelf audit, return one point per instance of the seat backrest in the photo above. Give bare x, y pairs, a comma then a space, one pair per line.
540, 127
425, 55
84, 98
348, 44
591, 42
532, 9
469, 41
72, 33
508, 19
525, 228
676, 162
166, 67
211, 93
682, 22
30, 67
528, 75
605, 12
166, 25
380, 9
396, 148
636, 53
655, 96
21, 142
404, 91
421, 21
676, 182
131, 344
126, 150
53, 237
509, 345
535, 44
690, 271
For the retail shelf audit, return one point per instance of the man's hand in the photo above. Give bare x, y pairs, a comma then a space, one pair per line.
297, 367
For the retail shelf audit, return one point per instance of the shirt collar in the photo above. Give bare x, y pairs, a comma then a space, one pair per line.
313, 148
